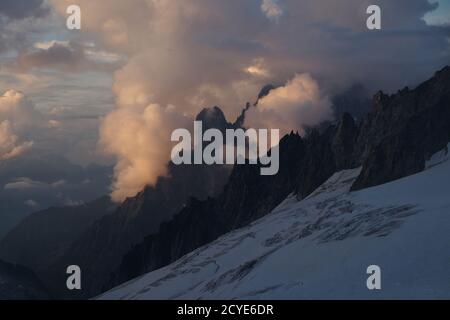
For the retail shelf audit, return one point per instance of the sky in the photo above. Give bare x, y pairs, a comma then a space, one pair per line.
113, 91
441, 15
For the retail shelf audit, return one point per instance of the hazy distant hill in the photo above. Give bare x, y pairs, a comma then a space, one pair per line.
20, 283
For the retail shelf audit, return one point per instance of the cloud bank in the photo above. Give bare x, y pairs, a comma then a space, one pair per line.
138, 137
295, 106
197, 53
10, 147
20, 9
17, 118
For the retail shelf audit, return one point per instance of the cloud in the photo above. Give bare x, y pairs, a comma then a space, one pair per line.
258, 68
28, 183
31, 203
271, 9
10, 147
140, 138
17, 118
24, 183
20, 9
20, 111
65, 130
194, 54
439, 16
66, 56
296, 105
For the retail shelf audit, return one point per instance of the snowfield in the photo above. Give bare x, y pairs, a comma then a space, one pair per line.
320, 247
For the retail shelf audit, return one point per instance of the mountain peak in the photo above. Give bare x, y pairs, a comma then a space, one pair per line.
213, 118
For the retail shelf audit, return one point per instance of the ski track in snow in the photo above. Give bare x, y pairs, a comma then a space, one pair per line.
320, 247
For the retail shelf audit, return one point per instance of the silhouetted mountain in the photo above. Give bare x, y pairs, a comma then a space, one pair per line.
103, 245
403, 130
388, 131
246, 197
40, 180
239, 123
190, 208
50, 240
213, 118
43, 237
264, 92
318, 247
19, 283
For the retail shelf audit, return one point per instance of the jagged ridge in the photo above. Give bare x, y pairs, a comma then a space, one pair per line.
387, 142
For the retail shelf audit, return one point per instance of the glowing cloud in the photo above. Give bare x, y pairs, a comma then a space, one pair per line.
294, 106
140, 138
271, 9
10, 147
195, 54
17, 115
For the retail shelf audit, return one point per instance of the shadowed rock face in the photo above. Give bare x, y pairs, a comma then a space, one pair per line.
403, 130
392, 141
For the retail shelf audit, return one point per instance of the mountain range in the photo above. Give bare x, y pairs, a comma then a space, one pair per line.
196, 205
321, 246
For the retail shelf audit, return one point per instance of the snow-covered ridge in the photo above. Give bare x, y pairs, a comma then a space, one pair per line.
321, 246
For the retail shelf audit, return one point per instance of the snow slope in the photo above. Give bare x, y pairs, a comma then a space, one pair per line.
320, 247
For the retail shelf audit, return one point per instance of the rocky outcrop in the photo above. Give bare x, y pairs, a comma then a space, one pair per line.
403, 130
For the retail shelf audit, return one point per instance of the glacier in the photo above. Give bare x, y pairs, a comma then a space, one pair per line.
320, 247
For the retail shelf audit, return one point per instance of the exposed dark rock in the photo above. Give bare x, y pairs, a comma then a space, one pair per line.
265, 91
343, 142
239, 123
403, 130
